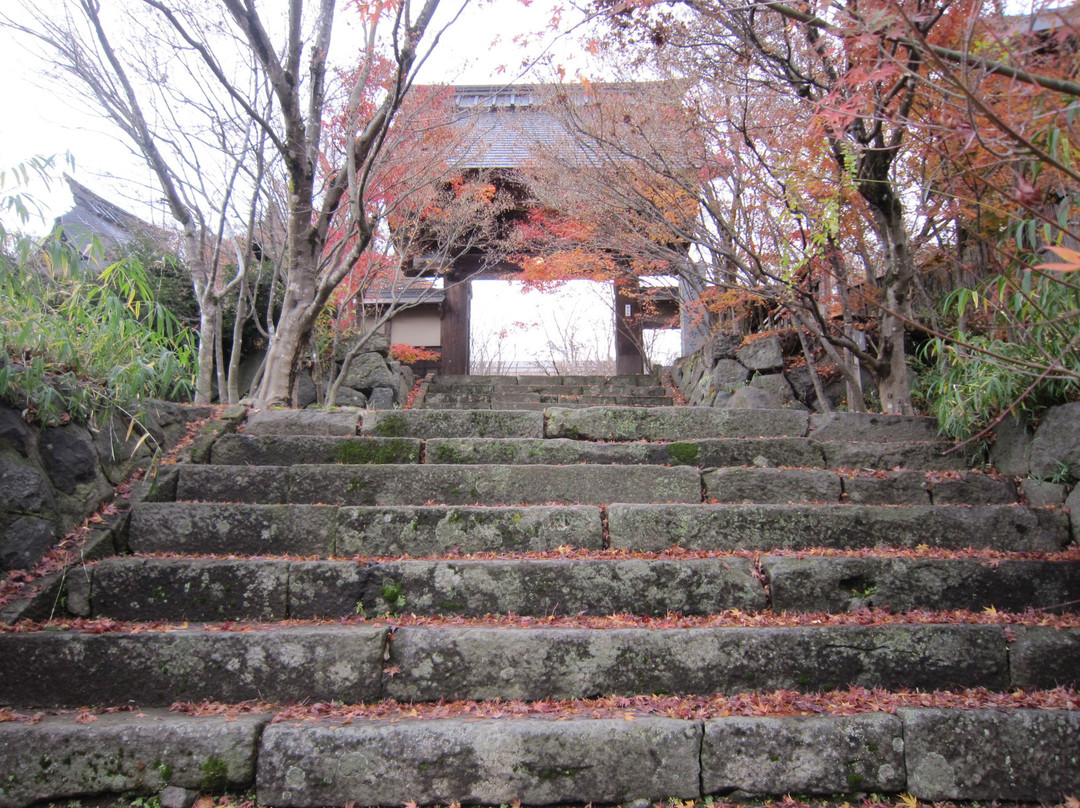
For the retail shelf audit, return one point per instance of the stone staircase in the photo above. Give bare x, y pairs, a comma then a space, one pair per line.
606, 604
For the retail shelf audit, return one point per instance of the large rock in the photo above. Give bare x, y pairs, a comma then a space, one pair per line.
60, 757
15, 432
368, 370
727, 376
24, 488
803, 754
1010, 452
752, 398
1021, 755
1055, 449
484, 762
762, 354
69, 456
25, 541
776, 384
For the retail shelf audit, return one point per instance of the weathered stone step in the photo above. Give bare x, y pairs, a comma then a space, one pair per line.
479, 662
932, 754
134, 588
838, 584
772, 485
761, 527
434, 483
324, 531
565, 451
248, 449
212, 589
351, 663
279, 450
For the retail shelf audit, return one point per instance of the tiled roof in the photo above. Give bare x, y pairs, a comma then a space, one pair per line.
508, 124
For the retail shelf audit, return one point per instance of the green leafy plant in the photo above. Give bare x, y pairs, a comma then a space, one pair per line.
79, 340
1015, 349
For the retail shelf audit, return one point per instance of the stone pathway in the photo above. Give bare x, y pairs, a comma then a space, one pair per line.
458, 569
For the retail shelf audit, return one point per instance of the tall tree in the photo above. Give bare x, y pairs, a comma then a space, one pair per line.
271, 81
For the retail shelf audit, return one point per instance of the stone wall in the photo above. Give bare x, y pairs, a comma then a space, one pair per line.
52, 478
1046, 457
763, 372
373, 379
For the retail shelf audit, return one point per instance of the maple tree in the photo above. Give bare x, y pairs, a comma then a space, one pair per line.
855, 164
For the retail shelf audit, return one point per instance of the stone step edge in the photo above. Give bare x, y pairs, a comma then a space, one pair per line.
929, 753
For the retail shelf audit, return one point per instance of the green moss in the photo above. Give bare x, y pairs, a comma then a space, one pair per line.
448, 454
357, 484
361, 451
391, 426
683, 454
854, 780
163, 769
393, 594
215, 774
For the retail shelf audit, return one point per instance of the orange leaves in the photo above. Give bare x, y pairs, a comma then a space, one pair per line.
852, 701
1070, 260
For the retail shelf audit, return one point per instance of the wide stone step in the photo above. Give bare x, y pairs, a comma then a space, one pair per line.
214, 589
134, 588
1015, 754
442, 484
432, 663
275, 450
353, 663
565, 451
1008, 528
324, 531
